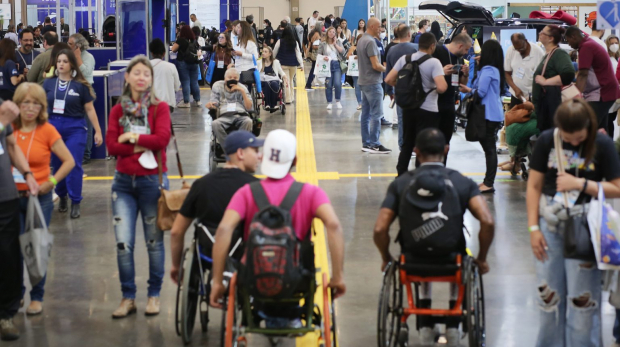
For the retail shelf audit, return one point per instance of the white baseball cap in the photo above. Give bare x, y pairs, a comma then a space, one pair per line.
279, 151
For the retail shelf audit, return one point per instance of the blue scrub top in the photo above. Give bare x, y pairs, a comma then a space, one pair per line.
76, 95
8, 70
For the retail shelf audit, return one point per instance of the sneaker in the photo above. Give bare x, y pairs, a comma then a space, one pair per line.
64, 204
35, 308
359, 107
338, 105
453, 337
385, 122
365, 148
198, 103
329, 106
8, 331
427, 336
85, 161
379, 150
183, 105
267, 108
152, 306
127, 307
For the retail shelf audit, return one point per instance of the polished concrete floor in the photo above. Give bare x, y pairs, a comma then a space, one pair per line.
83, 286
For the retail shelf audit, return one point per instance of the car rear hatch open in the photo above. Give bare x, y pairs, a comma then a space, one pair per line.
458, 12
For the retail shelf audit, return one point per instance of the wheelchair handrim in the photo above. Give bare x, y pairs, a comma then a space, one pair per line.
390, 300
189, 299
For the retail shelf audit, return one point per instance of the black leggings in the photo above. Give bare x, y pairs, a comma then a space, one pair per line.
490, 152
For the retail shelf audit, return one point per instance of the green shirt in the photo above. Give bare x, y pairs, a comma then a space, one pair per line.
35, 74
559, 64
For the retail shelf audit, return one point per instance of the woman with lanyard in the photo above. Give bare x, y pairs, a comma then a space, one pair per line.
10, 76
333, 50
38, 139
245, 53
139, 130
69, 99
223, 57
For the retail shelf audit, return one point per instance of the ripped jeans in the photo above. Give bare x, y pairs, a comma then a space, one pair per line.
569, 297
130, 195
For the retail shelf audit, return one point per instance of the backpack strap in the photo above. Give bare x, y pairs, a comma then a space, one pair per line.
260, 197
424, 58
408, 59
291, 196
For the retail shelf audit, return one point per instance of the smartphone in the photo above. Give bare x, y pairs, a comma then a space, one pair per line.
456, 68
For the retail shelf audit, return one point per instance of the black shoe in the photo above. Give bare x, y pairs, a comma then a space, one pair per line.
63, 206
75, 211
85, 161
379, 150
386, 122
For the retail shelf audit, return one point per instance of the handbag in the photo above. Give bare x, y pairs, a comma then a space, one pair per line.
210, 69
569, 91
170, 201
36, 242
577, 238
519, 114
475, 130
344, 66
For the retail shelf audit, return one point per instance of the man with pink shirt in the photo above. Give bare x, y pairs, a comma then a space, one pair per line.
278, 159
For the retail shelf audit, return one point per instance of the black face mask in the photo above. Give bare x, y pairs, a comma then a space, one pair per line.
230, 83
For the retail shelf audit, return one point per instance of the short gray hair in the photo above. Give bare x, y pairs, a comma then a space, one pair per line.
287, 19
232, 72
80, 41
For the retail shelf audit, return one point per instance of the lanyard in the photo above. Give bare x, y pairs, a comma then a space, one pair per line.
66, 90
34, 132
31, 57
449, 54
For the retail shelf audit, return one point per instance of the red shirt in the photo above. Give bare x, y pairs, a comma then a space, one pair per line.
302, 212
126, 159
592, 55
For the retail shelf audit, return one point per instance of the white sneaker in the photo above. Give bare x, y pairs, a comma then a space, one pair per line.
329, 106
55, 198
338, 105
183, 105
453, 337
427, 336
198, 103
359, 107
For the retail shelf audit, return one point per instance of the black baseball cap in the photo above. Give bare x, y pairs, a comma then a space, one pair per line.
241, 139
427, 190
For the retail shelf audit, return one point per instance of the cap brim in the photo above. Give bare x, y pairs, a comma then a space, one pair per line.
275, 170
258, 143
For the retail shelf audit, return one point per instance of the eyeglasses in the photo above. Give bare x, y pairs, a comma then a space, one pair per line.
543, 33
30, 104
221, 37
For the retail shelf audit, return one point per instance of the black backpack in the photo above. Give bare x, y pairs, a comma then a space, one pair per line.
190, 56
409, 90
272, 267
434, 233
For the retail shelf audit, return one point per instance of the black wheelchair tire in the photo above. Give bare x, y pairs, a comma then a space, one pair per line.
212, 162
189, 295
204, 304
177, 312
390, 302
283, 109
474, 297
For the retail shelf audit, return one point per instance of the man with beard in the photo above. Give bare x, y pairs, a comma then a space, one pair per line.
25, 54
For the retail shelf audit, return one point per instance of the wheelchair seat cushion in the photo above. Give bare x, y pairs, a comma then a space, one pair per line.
431, 266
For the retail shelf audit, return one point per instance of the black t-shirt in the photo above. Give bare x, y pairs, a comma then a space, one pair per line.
605, 164
209, 196
446, 101
465, 187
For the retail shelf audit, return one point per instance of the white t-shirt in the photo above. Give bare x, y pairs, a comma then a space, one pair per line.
523, 68
311, 23
599, 41
429, 70
166, 81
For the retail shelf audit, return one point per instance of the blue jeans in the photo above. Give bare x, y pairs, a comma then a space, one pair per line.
569, 297
130, 195
617, 327
310, 75
372, 111
47, 206
73, 131
358, 91
188, 74
333, 81
89, 139
399, 112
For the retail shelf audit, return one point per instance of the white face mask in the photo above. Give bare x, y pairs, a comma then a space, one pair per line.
614, 48
382, 36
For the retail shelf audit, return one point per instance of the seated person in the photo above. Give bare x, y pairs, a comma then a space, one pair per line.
209, 195
271, 74
233, 100
446, 191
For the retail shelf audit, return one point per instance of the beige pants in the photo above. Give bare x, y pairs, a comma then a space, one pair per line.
289, 93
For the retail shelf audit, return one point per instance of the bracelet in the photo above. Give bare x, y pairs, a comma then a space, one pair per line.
585, 185
53, 180
27, 173
533, 228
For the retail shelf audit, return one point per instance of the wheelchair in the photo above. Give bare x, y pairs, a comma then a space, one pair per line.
243, 314
392, 328
195, 285
280, 102
216, 151
256, 96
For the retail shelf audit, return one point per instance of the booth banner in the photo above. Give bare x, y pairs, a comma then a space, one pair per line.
5, 11
353, 67
322, 68
607, 14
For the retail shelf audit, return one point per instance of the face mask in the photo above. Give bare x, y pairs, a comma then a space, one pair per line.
614, 48
230, 83
382, 36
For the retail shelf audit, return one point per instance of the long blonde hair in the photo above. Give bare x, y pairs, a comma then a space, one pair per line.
607, 41
140, 59
38, 94
327, 36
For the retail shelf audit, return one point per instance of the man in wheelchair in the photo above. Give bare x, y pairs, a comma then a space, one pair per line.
430, 203
232, 101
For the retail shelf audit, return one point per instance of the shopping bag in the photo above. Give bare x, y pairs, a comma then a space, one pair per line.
36, 242
259, 87
322, 68
199, 72
353, 67
210, 69
604, 224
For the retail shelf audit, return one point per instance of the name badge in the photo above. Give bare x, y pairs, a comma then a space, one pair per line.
28, 67
520, 73
1, 79
231, 107
455, 79
18, 177
138, 129
220, 64
1, 149
59, 106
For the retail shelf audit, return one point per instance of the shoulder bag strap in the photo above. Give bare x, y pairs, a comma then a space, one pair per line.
176, 147
559, 157
542, 73
291, 196
260, 197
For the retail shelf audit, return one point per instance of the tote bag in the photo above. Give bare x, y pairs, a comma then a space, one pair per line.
210, 69
322, 68
604, 224
36, 242
354, 69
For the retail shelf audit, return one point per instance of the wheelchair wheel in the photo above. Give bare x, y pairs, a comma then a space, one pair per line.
189, 294
256, 103
177, 313
390, 302
204, 303
212, 162
232, 314
283, 109
328, 317
474, 297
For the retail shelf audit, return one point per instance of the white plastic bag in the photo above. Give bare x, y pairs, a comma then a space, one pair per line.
604, 225
353, 69
36, 242
322, 68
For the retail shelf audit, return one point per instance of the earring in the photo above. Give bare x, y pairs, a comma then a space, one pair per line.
73, 73
56, 72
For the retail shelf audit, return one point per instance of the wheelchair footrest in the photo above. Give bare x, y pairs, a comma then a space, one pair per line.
280, 332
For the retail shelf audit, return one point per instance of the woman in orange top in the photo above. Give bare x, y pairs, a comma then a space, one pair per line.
38, 139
